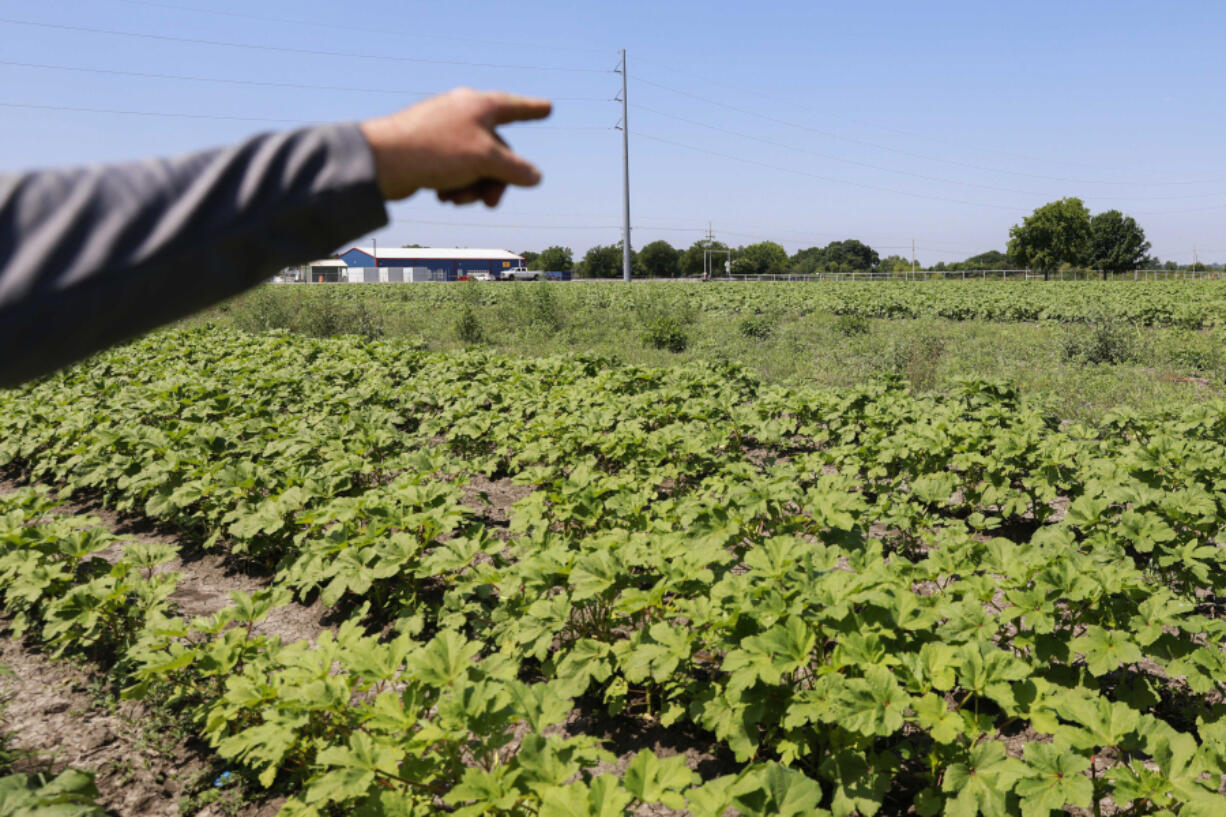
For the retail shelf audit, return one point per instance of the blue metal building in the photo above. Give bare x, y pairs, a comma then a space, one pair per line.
450, 263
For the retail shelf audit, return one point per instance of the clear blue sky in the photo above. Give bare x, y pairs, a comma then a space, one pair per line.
942, 122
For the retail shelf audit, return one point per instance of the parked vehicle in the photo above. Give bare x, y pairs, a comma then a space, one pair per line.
521, 274
480, 276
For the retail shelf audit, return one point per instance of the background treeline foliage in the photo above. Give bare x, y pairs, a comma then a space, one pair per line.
1059, 235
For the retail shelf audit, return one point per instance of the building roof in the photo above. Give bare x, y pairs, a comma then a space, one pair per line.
328, 262
437, 253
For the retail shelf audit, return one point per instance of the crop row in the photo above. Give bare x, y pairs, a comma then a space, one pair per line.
1186, 304
863, 600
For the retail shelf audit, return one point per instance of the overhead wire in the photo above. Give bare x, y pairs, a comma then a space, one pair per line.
168, 114
315, 52
224, 117
832, 179
884, 169
498, 225
253, 82
759, 93
912, 154
465, 38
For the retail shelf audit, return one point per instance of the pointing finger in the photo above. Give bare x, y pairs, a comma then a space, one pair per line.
491, 192
506, 108
505, 165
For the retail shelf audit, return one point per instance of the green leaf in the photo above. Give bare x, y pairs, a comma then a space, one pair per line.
932, 713
540, 705
603, 798
1054, 780
443, 659
1102, 722
779, 792
1106, 650
492, 790
653, 780
858, 787
357, 766
981, 781
874, 704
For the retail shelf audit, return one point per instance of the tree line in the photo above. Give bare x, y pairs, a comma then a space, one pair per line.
1059, 235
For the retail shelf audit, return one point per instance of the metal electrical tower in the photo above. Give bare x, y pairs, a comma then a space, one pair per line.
625, 126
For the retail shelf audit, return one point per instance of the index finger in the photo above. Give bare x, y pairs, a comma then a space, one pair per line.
506, 108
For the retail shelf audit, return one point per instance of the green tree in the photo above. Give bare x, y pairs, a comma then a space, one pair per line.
849, 255
1054, 234
554, 259
659, 259
603, 262
691, 259
1117, 242
806, 261
529, 256
992, 259
763, 258
894, 263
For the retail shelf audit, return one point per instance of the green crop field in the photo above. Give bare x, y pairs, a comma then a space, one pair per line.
1187, 304
1080, 349
566, 585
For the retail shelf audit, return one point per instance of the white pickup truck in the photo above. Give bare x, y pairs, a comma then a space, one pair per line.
521, 274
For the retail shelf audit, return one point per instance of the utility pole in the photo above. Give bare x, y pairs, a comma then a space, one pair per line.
374, 250
625, 175
708, 256
913, 258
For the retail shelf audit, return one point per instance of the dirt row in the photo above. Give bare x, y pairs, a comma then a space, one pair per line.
58, 712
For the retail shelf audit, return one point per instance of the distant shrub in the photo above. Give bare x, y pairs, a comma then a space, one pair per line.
916, 359
262, 310
666, 319
335, 312
1108, 340
1196, 351
468, 327
534, 309
850, 325
757, 327
666, 332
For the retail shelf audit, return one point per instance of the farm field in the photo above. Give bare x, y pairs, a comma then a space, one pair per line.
566, 585
1080, 349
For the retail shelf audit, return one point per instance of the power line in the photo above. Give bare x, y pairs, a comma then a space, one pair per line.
831, 157
254, 82
1178, 212
758, 93
832, 179
879, 188
494, 226
884, 169
926, 157
289, 50
350, 27
223, 117
168, 114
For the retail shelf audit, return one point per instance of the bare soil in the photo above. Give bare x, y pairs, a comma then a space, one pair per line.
492, 500
207, 580
54, 714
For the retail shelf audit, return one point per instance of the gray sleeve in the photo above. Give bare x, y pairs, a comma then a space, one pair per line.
95, 256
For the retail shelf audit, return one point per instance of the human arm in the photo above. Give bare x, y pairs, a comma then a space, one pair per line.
95, 256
